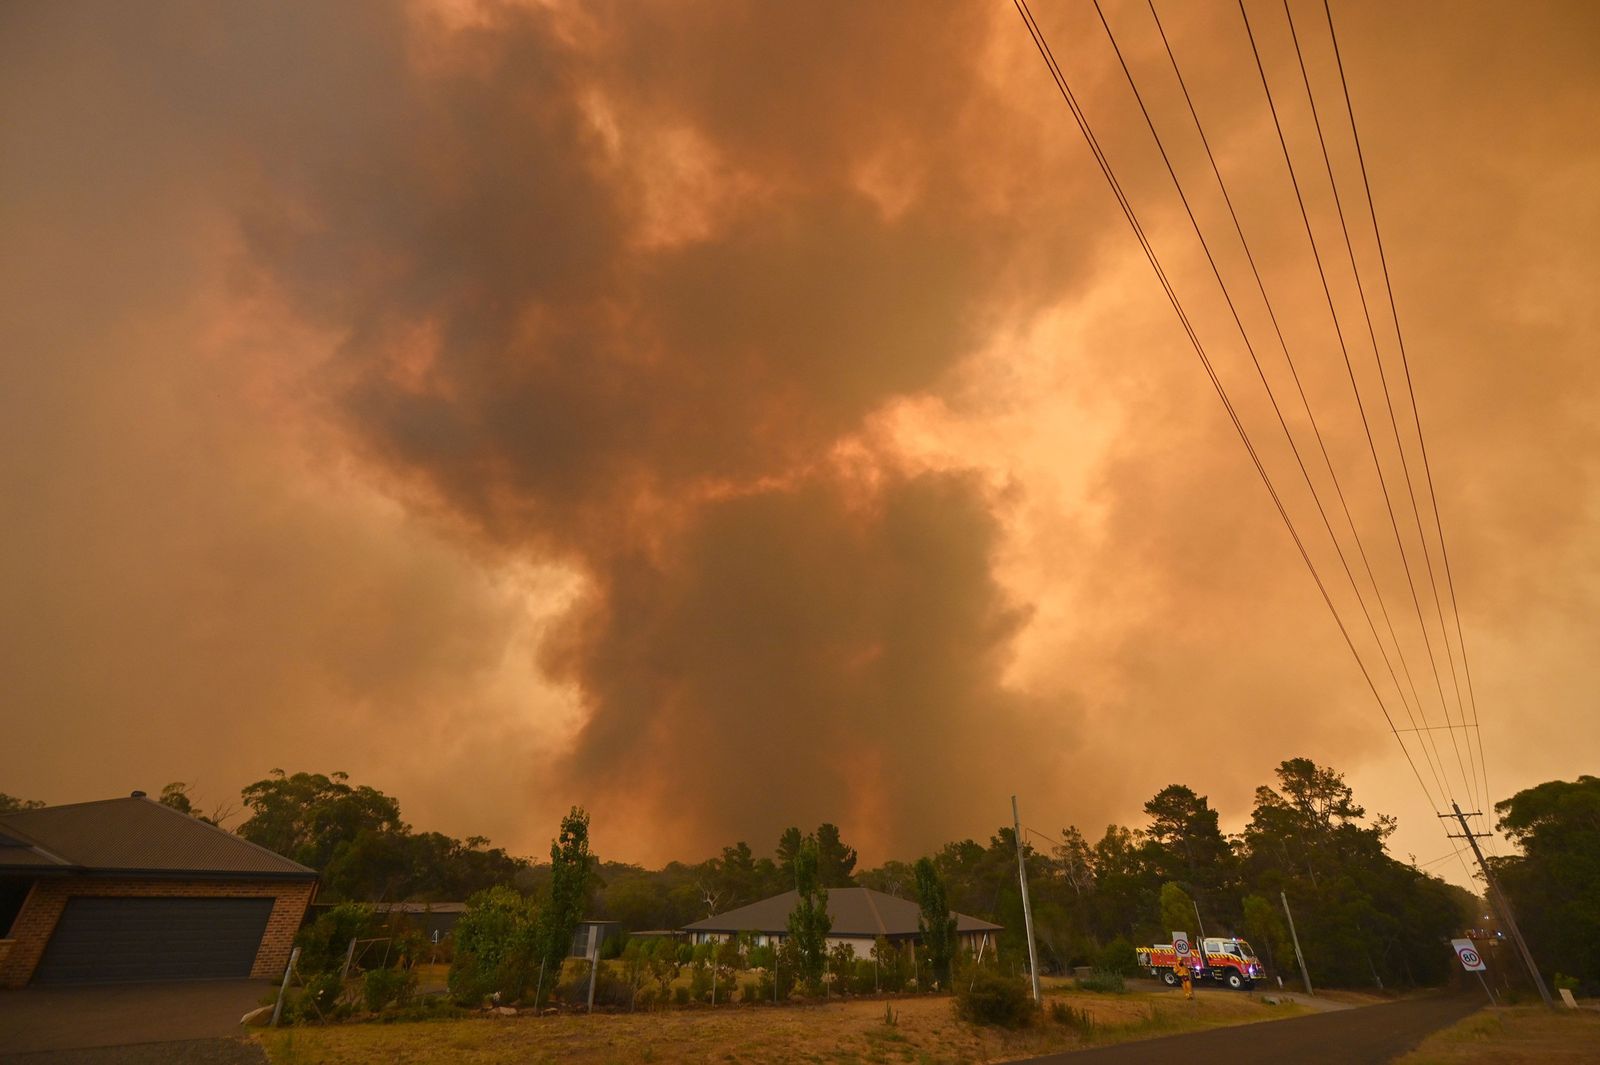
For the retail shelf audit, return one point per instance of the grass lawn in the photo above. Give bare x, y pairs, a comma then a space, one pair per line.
926, 1030
1520, 1035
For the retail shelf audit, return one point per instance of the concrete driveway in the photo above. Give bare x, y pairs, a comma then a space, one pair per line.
172, 1021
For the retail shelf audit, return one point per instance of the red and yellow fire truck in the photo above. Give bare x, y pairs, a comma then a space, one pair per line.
1227, 961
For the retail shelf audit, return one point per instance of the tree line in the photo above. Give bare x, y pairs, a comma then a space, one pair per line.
1364, 918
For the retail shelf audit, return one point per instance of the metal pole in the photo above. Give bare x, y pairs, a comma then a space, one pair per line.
1202, 925
1299, 956
1504, 907
1486, 990
1027, 906
288, 970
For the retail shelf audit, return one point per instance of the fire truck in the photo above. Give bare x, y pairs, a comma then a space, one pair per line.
1227, 961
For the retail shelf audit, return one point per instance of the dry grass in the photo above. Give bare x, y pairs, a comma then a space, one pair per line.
1521, 1035
926, 1030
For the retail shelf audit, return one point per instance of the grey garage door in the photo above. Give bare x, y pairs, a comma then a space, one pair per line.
101, 940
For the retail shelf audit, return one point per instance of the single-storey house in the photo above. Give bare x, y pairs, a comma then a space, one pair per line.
859, 915
128, 889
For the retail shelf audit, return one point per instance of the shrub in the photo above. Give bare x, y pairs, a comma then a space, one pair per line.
992, 998
570, 985
325, 942
700, 981
1103, 980
892, 968
680, 995
750, 991
842, 967
1118, 956
663, 966
320, 1000
1078, 1020
382, 986
425, 1008
611, 990
495, 948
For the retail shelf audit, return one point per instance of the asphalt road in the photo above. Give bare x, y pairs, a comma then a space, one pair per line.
1370, 1035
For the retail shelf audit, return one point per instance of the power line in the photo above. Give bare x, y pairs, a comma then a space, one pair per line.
1394, 422
1295, 374
1411, 391
1045, 52
1344, 350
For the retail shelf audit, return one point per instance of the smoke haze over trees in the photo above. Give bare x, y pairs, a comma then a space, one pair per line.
610, 401
1363, 917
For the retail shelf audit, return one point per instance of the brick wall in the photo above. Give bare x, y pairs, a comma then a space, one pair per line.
37, 919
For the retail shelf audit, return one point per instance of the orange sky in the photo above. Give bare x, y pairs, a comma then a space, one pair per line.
752, 415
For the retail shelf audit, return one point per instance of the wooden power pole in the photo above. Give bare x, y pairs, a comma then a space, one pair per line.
1299, 956
1498, 899
1027, 907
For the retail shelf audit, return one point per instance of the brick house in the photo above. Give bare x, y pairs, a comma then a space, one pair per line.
129, 889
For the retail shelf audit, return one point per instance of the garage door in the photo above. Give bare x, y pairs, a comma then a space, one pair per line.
107, 940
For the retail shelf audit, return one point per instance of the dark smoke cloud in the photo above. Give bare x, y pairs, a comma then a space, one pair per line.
661, 416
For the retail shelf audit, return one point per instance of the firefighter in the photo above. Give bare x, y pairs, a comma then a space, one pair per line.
1186, 976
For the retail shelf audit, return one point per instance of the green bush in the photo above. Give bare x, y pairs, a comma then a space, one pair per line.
320, 1000
893, 967
1118, 956
424, 1008
989, 997
611, 990
1103, 980
325, 942
382, 986
841, 963
750, 991
699, 981
680, 995
495, 949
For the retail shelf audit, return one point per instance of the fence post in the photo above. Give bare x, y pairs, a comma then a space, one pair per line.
288, 970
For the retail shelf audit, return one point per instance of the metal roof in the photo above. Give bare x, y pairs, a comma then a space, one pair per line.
855, 912
133, 836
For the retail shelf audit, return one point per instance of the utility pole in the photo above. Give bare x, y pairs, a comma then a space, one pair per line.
1199, 922
1499, 899
1299, 956
1027, 907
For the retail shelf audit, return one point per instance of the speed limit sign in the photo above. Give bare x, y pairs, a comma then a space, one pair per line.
1470, 961
1180, 944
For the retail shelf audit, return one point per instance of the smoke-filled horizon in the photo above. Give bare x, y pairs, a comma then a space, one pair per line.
750, 416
